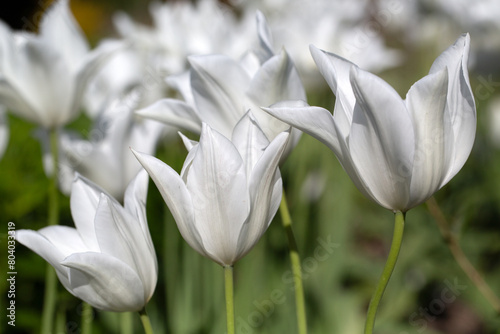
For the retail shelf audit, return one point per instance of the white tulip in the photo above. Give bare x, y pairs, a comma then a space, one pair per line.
397, 152
43, 77
220, 90
108, 260
228, 190
105, 158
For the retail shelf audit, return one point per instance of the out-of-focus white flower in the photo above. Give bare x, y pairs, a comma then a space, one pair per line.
43, 77
114, 80
181, 29
397, 152
108, 260
342, 26
484, 13
105, 157
228, 190
429, 24
220, 90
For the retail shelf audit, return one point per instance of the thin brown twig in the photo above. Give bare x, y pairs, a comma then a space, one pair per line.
452, 242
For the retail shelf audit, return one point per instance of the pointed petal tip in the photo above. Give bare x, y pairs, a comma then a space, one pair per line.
188, 143
466, 37
141, 112
77, 176
181, 134
140, 156
103, 198
195, 60
463, 41
133, 151
206, 130
286, 104
204, 127
315, 52
314, 48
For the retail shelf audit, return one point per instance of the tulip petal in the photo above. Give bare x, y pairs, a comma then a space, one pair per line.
135, 203
59, 29
105, 282
336, 71
108, 152
192, 147
11, 79
66, 239
112, 231
135, 197
188, 143
315, 121
41, 245
14, 101
176, 196
265, 194
249, 140
121, 235
218, 186
265, 49
173, 112
381, 141
461, 105
84, 201
36, 65
182, 83
276, 80
143, 136
347, 163
426, 101
218, 85
88, 67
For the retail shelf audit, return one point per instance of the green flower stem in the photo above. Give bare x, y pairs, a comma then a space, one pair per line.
126, 323
451, 241
229, 285
397, 238
300, 304
49, 301
53, 189
146, 323
87, 317
61, 320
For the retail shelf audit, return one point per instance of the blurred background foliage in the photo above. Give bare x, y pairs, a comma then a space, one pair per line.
343, 238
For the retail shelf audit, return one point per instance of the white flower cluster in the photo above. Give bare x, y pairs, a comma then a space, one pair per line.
239, 84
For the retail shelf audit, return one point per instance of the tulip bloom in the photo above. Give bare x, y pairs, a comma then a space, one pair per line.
228, 190
182, 29
43, 77
106, 160
108, 260
220, 90
397, 152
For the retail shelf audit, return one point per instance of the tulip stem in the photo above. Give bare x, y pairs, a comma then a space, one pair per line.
49, 301
126, 323
146, 323
296, 267
229, 285
397, 238
87, 317
53, 190
451, 241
